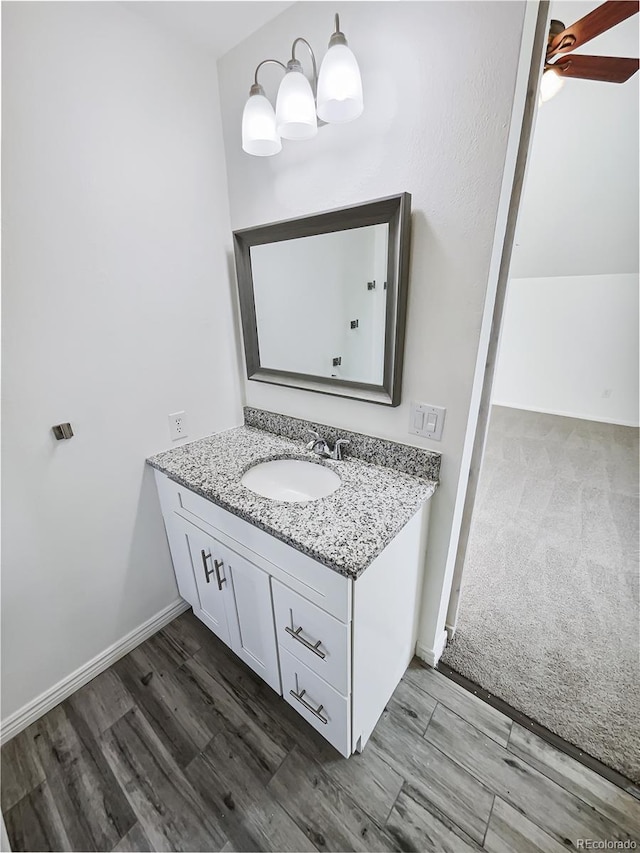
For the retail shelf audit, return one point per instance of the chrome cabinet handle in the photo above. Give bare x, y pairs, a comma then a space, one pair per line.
207, 571
314, 711
312, 648
216, 565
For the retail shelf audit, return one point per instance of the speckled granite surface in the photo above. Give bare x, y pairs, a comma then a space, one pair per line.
344, 531
378, 451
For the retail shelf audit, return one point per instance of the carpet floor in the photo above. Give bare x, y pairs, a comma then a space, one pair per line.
549, 616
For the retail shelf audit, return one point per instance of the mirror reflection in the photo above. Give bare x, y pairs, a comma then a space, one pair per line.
320, 303
323, 299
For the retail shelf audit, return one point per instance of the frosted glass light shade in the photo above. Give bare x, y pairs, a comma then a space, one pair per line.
339, 86
550, 85
295, 107
259, 134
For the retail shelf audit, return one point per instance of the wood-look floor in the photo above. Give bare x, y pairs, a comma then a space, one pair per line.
178, 746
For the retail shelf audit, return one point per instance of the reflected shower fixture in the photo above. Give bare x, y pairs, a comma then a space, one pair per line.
334, 96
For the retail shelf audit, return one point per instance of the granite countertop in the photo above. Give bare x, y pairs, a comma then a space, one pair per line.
344, 531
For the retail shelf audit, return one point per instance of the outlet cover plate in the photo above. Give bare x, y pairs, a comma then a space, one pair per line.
178, 426
427, 421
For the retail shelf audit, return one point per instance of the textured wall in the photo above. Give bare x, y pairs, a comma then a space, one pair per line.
116, 311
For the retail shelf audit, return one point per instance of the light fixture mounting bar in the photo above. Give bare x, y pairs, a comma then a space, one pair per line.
337, 37
314, 82
266, 62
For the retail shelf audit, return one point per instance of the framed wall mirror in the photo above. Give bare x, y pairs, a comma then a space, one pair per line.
323, 299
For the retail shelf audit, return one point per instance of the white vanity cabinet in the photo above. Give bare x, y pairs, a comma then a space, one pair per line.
333, 647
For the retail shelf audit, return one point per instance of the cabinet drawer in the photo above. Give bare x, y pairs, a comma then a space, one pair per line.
320, 705
313, 636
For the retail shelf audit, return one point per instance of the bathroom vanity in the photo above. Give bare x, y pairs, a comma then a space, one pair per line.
319, 597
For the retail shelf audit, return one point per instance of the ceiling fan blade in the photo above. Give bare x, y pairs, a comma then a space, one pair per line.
599, 21
609, 69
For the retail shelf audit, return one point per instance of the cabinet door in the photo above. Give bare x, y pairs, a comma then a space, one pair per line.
181, 559
253, 636
211, 580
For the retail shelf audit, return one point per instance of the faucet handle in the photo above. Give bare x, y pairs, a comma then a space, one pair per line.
314, 437
337, 448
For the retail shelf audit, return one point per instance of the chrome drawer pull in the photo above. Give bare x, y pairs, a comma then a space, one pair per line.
312, 648
314, 711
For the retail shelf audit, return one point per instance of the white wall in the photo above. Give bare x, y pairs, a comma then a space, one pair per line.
116, 311
435, 124
569, 346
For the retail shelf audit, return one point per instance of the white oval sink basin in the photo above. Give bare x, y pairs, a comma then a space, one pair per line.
291, 480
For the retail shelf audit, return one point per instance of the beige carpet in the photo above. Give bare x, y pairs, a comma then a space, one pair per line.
549, 617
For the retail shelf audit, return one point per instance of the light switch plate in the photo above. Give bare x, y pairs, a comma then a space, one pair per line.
426, 420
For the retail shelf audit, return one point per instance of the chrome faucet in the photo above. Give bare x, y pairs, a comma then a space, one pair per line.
319, 446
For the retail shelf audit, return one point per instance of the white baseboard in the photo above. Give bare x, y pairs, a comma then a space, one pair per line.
580, 417
432, 656
33, 710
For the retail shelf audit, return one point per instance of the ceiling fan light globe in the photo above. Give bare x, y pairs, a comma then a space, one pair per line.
550, 85
339, 86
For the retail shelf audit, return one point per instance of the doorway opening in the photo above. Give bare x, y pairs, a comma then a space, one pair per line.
544, 609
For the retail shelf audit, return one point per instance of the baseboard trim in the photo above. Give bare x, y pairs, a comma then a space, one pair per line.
432, 656
565, 414
35, 709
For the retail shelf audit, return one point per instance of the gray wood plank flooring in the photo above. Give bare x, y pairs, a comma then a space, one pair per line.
179, 746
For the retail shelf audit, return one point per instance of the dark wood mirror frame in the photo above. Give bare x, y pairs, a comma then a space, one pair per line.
394, 211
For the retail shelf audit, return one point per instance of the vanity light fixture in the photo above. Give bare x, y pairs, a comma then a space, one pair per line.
334, 96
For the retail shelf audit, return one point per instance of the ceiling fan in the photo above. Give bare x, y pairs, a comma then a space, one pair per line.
609, 69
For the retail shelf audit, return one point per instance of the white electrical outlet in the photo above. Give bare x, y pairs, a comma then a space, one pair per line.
178, 426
